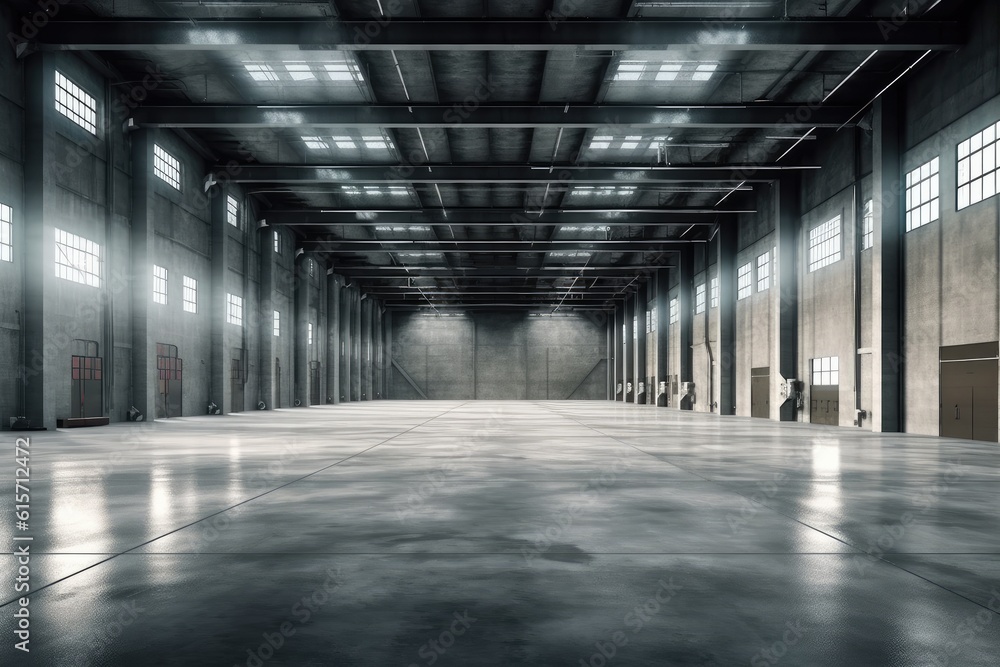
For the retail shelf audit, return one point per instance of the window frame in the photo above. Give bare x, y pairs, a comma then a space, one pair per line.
928, 173
826, 248
87, 253
6, 233
234, 309
162, 161
190, 294
160, 284
763, 272
76, 100
700, 299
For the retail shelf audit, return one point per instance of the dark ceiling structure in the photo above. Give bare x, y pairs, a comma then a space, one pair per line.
536, 154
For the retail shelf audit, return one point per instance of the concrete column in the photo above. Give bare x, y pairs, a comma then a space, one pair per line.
618, 342
662, 335
39, 79
366, 349
265, 327
786, 312
887, 268
333, 359
629, 338
726, 262
344, 351
356, 370
144, 374
387, 354
300, 332
685, 310
640, 373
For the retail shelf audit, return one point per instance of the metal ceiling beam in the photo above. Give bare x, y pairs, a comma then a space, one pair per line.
313, 116
503, 217
493, 174
491, 247
254, 35
393, 272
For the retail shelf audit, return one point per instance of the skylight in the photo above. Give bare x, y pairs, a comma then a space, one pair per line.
299, 71
603, 190
261, 72
400, 228
315, 143
665, 72
376, 190
627, 143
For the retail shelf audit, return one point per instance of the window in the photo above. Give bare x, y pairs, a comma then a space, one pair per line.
159, 284
715, 292
309, 332
277, 242
826, 371
764, 271
74, 103
6, 234
824, 244
649, 322
630, 143
190, 294
312, 267
233, 211
635, 327
277, 324
234, 309
978, 165
699, 299
77, 259
868, 226
673, 311
167, 167
923, 203
652, 319
743, 285
261, 72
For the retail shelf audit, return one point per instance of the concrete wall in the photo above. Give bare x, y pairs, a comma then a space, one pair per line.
499, 356
56, 175
11, 193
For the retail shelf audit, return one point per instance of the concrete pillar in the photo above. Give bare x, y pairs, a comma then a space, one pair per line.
662, 335
726, 264
265, 325
301, 322
387, 354
786, 313
344, 353
367, 319
144, 374
887, 267
685, 310
356, 370
333, 359
618, 341
629, 339
640, 374
39, 79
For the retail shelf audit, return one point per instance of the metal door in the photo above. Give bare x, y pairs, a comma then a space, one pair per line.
87, 387
760, 393
277, 382
314, 383
957, 412
824, 406
170, 372
238, 378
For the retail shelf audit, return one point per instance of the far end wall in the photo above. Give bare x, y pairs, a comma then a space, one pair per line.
497, 356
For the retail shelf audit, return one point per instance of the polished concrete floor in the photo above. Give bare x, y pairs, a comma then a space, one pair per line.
505, 533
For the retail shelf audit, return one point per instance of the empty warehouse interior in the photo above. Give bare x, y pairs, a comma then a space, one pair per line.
482, 332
